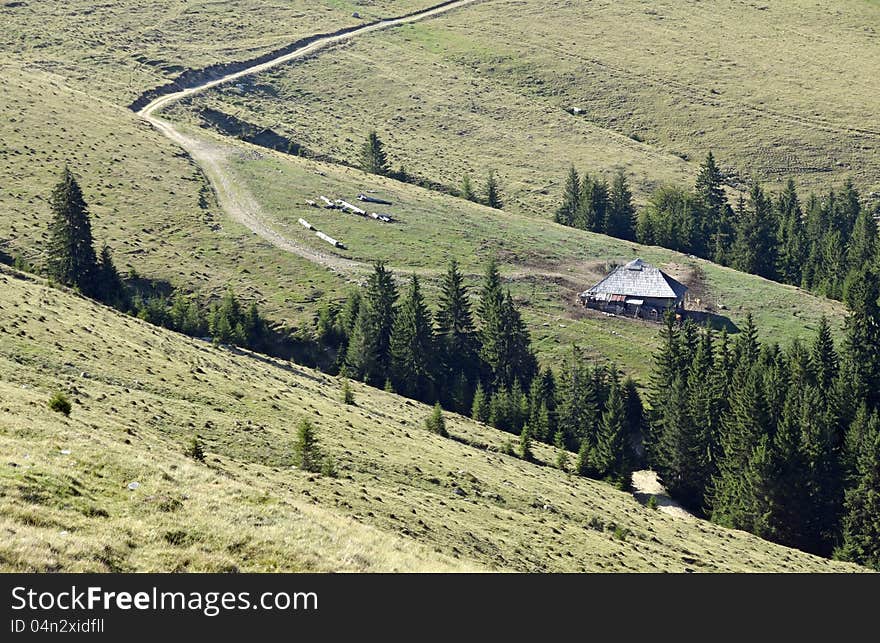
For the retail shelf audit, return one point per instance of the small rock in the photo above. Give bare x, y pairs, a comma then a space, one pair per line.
65, 451
458, 491
133, 485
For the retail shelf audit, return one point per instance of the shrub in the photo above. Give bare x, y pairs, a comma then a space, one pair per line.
347, 393
195, 451
306, 453
435, 422
525, 444
178, 538
328, 467
652, 502
59, 403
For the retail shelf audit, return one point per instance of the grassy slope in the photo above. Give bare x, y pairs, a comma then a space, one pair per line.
149, 202
119, 49
153, 206
139, 395
546, 264
775, 90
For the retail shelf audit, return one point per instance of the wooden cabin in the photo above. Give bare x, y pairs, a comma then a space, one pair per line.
636, 289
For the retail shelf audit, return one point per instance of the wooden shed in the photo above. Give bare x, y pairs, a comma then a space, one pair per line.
637, 289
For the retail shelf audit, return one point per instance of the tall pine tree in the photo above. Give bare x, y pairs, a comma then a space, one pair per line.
369, 351
571, 196
456, 336
412, 368
71, 252
621, 212
373, 158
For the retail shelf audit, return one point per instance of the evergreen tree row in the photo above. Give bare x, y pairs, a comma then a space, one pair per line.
393, 340
779, 442
818, 244
589, 204
479, 361
71, 260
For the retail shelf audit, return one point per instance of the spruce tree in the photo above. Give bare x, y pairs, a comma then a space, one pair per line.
435, 423
306, 453
756, 488
790, 493
539, 421
369, 352
583, 465
347, 393
561, 452
613, 457
862, 246
489, 311
681, 454
709, 190
668, 366
225, 320
373, 158
412, 347
865, 423
599, 206
525, 444
542, 405
467, 189
361, 355
456, 336
704, 411
742, 429
754, 249
501, 413
791, 237
824, 361
584, 217
861, 520
71, 252
862, 336
493, 191
822, 477
513, 359
578, 406
621, 212
571, 195
480, 410
109, 287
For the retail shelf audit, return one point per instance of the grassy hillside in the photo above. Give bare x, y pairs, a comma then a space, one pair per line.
155, 207
118, 49
404, 499
775, 89
545, 264
148, 200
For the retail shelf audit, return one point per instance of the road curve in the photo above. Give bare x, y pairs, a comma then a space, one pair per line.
234, 198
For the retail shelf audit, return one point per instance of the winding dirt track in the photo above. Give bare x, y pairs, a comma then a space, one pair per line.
234, 198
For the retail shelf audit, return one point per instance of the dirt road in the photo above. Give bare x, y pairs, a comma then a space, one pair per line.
233, 197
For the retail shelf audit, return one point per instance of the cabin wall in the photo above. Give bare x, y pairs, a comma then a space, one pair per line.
653, 308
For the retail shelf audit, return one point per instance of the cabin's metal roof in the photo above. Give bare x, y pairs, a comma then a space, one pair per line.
638, 279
